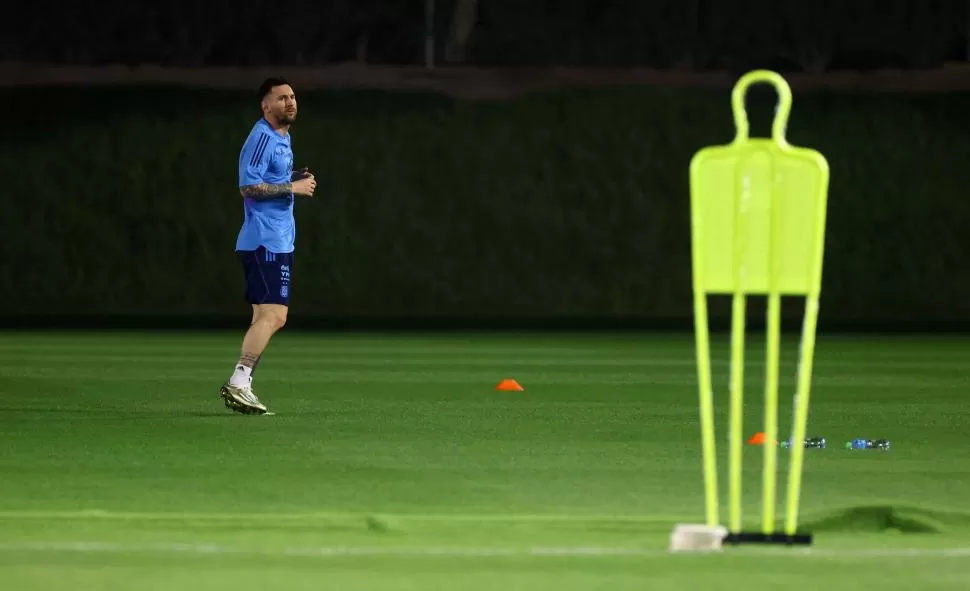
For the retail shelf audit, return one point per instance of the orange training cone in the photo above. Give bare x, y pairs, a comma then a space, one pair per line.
509, 385
757, 439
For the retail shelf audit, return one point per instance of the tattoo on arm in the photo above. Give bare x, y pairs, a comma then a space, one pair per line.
266, 190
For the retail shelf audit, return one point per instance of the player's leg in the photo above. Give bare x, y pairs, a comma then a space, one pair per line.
270, 307
267, 290
251, 322
267, 320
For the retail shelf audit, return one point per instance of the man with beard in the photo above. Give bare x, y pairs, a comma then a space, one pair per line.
265, 243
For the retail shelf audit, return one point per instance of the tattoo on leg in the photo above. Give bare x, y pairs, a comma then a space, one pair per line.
250, 360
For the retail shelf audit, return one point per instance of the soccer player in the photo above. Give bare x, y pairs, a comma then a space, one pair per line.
265, 243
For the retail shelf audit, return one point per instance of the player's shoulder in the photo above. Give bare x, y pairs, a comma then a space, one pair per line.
261, 132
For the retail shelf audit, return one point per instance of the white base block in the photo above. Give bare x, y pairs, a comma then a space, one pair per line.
697, 538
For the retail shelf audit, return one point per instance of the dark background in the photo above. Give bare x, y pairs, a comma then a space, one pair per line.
529, 170
786, 35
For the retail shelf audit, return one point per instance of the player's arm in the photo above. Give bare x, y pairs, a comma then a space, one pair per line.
266, 190
304, 186
253, 164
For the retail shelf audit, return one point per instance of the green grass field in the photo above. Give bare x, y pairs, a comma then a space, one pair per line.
394, 464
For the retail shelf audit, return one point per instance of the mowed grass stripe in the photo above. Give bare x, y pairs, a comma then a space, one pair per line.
890, 349
875, 372
300, 374
305, 358
424, 359
431, 552
402, 345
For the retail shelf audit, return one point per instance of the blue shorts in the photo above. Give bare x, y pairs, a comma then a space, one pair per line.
267, 275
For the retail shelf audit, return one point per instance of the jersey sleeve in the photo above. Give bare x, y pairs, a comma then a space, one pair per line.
254, 159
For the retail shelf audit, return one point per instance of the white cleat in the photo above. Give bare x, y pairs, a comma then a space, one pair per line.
242, 400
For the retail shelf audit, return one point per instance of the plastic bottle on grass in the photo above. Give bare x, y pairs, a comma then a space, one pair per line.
810, 443
879, 444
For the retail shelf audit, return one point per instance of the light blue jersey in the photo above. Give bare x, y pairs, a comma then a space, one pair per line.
267, 157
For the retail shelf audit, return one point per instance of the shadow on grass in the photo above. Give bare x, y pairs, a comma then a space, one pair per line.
889, 518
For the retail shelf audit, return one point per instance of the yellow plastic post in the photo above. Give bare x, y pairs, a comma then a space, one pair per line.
758, 209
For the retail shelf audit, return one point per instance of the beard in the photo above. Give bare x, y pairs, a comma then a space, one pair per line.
287, 118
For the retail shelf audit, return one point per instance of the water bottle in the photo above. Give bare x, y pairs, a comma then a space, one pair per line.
880, 444
816, 443
858, 444
810, 443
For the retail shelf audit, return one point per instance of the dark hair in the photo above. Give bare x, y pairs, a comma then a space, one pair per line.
269, 84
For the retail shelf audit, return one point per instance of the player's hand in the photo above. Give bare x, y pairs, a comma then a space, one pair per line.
305, 186
303, 173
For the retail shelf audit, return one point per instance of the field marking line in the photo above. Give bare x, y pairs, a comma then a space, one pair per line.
342, 516
471, 552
